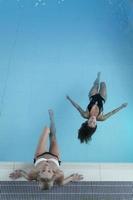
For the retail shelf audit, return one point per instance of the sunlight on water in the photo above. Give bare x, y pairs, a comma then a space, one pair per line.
40, 3
123, 10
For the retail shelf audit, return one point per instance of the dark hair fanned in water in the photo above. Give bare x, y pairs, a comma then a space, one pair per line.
85, 132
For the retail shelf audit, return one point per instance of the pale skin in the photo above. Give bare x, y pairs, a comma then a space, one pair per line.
97, 88
47, 169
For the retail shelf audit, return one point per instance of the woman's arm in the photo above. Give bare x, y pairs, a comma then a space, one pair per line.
72, 178
60, 180
32, 175
18, 174
106, 116
81, 111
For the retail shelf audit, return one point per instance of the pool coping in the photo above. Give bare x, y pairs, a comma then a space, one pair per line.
90, 171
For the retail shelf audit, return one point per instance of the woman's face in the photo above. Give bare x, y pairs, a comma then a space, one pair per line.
46, 173
92, 122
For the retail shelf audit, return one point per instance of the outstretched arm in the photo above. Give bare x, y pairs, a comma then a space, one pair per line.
60, 180
81, 111
106, 116
72, 178
18, 174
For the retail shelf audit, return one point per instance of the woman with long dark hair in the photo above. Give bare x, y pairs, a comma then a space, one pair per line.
94, 110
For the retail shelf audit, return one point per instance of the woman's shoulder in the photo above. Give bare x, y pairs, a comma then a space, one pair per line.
100, 117
59, 176
33, 173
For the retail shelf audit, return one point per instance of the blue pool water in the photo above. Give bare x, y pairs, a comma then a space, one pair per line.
51, 48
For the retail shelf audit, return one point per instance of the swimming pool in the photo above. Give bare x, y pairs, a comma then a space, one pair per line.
50, 49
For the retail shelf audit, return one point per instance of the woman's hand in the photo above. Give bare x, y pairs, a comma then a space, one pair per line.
77, 177
98, 75
124, 105
16, 174
51, 113
67, 97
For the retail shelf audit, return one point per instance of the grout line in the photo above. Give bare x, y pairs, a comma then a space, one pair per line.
70, 193
13, 166
71, 185
100, 172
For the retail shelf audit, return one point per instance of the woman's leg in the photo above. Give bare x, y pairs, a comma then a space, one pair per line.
42, 145
54, 149
95, 87
103, 90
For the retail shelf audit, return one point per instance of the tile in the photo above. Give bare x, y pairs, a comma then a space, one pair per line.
6, 165
116, 172
116, 166
89, 175
116, 175
4, 174
90, 171
22, 165
79, 191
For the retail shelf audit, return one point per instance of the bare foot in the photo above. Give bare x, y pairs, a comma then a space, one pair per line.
77, 177
98, 75
51, 113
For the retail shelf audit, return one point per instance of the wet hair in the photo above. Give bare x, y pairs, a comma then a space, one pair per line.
85, 132
46, 185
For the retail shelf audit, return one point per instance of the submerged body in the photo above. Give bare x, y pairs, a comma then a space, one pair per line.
94, 111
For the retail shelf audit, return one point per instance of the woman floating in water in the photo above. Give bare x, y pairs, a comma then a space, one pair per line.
94, 111
46, 164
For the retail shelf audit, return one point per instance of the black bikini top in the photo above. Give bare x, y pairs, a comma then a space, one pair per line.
96, 98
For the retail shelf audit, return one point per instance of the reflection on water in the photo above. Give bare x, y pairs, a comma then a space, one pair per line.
38, 3
123, 10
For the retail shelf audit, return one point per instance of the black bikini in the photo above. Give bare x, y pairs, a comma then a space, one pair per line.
96, 98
